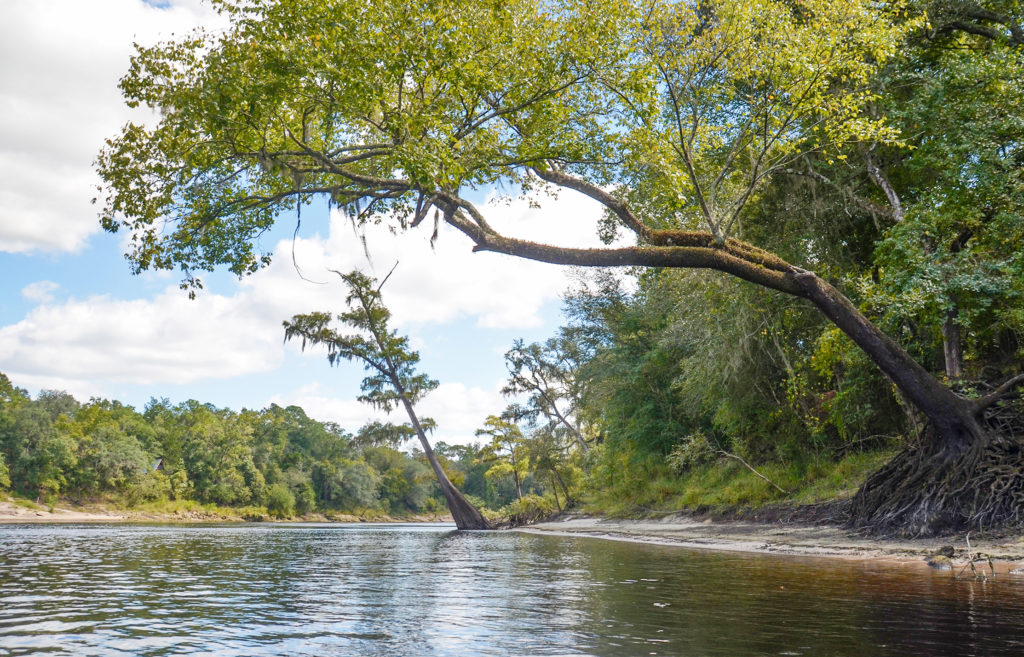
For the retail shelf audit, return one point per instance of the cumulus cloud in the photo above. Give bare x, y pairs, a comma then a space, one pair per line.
458, 409
164, 340
168, 339
60, 61
40, 291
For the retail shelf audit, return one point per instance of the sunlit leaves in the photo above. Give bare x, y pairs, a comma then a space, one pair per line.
686, 108
745, 86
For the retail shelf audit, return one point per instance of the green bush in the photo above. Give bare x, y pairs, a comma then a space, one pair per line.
305, 498
693, 450
529, 510
280, 501
150, 487
5, 479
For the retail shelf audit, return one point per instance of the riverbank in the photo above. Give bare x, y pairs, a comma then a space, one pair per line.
687, 531
19, 511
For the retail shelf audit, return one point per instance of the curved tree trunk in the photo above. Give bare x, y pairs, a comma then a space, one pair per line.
967, 473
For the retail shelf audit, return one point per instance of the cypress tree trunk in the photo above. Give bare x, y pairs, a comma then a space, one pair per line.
466, 515
952, 346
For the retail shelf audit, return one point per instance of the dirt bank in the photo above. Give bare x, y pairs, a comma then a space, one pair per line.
10, 512
1007, 552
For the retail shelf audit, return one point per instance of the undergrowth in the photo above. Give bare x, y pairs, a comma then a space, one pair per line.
726, 483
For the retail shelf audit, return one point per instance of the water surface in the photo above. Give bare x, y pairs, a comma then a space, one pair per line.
428, 590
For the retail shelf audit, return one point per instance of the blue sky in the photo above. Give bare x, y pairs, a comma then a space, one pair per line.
73, 317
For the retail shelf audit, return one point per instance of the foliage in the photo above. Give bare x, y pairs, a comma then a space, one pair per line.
389, 108
5, 474
529, 509
280, 501
693, 450
505, 454
193, 452
392, 379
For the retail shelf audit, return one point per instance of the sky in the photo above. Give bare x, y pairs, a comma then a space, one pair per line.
74, 318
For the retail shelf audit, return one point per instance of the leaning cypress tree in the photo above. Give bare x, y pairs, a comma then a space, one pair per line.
393, 379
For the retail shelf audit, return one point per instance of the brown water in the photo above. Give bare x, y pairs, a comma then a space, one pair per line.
428, 590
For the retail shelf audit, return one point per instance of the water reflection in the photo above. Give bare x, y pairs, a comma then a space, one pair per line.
428, 590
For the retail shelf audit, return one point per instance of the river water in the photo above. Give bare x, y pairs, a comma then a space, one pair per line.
428, 590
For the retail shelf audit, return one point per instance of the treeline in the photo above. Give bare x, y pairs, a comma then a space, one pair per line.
277, 459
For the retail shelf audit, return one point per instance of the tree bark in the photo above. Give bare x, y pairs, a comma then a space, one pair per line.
964, 474
952, 345
515, 477
466, 515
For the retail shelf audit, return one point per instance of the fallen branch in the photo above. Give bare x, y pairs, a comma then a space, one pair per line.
722, 452
998, 393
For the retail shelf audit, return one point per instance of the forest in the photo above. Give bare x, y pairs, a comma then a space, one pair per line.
274, 462
821, 295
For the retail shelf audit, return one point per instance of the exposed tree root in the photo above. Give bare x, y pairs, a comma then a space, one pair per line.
932, 489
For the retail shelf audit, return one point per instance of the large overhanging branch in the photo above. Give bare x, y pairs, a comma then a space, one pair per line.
694, 250
697, 251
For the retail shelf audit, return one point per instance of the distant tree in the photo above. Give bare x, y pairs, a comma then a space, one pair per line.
359, 484
57, 403
5, 474
42, 457
547, 374
377, 434
393, 380
111, 441
218, 456
506, 452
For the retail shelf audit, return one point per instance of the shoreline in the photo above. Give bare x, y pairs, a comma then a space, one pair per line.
681, 530
19, 514
827, 541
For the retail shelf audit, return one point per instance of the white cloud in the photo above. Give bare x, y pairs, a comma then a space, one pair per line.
166, 340
60, 61
86, 344
458, 409
40, 291
448, 282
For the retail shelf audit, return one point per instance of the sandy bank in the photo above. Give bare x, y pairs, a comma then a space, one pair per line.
1007, 552
14, 513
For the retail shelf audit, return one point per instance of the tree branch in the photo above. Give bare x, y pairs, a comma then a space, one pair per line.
619, 208
998, 393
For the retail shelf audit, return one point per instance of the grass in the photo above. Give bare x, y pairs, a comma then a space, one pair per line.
727, 483
24, 502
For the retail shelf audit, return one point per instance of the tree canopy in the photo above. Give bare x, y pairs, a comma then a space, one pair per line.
393, 109
729, 135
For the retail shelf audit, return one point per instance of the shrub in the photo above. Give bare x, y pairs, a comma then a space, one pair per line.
529, 510
692, 450
150, 487
280, 501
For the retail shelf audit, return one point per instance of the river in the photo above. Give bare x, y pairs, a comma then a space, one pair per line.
274, 589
